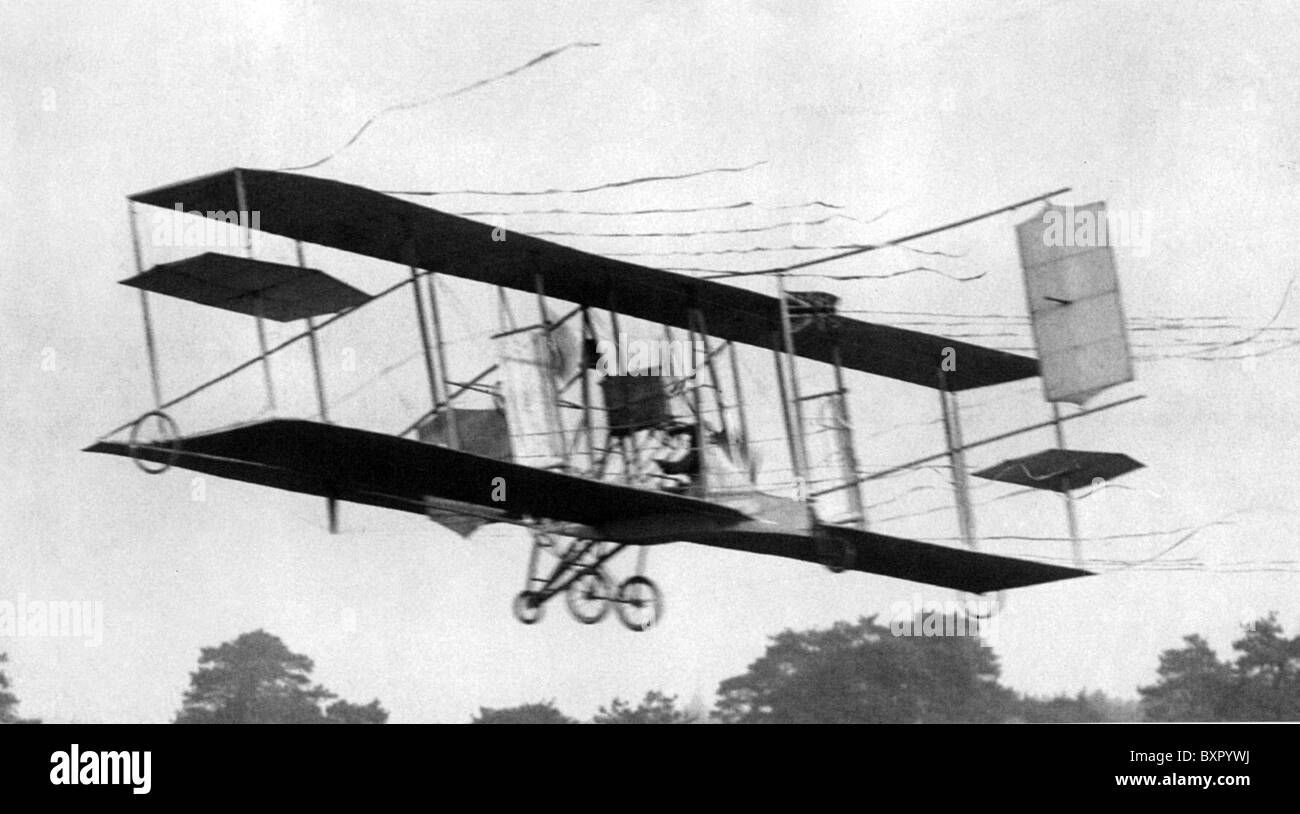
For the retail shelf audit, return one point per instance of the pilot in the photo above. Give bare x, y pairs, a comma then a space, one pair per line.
682, 464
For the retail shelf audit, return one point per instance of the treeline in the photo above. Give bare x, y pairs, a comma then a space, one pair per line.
851, 672
862, 673
254, 679
1261, 683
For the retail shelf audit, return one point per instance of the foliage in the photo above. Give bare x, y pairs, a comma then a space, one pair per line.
862, 673
657, 708
1093, 707
343, 712
1261, 684
9, 701
542, 712
257, 679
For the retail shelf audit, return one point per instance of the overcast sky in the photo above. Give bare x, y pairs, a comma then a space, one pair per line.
1185, 114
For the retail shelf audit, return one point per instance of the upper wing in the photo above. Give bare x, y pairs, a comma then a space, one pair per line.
362, 221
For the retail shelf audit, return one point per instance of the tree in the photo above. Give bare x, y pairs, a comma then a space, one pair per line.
1261, 684
1193, 685
342, 712
862, 673
9, 701
1062, 709
542, 712
657, 708
1268, 674
257, 679
1115, 710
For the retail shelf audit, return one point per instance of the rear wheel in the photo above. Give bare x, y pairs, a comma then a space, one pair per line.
527, 608
588, 597
640, 604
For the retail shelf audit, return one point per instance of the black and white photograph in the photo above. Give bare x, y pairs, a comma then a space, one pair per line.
908, 362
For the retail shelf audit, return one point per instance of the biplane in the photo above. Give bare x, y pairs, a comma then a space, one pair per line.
644, 456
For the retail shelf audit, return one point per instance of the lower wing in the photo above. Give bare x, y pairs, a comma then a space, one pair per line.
372, 468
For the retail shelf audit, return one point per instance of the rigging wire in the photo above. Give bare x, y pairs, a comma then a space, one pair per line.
648, 179
793, 247
665, 211
439, 97
703, 232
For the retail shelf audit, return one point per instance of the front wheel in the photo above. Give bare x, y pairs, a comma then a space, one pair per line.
168, 437
527, 609
640, 604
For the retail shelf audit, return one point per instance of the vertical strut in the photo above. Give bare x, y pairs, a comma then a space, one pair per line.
739, 393
151, 350
627, 440
549, 378
798, 447
1071, 516
715, 383
246, 235
266, 356
701, 432
331, 502
424, 339
314, 346
443, 392
531, 576
588, 335
784, 394
845, 437
957, 459
505, 315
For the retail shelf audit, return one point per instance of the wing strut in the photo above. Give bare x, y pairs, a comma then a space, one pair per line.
1071, 514
957, 459
151, 349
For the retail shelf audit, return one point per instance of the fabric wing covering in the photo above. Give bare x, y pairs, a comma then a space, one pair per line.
528, 390
634, 403
481, 432
1061, 470
830, 467
246, 286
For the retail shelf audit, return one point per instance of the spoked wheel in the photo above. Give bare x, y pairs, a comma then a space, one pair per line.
163, 434
640, 604
527, 608
588, 597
